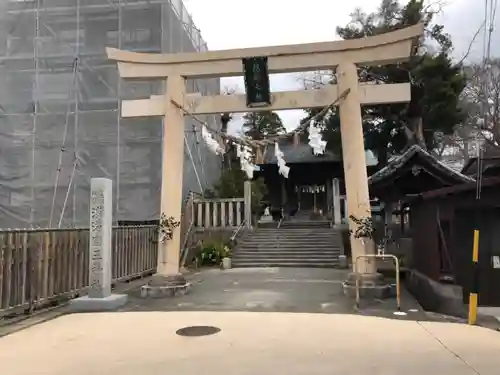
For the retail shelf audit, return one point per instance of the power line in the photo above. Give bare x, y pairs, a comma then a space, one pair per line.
63, 144
490, 7
194, 164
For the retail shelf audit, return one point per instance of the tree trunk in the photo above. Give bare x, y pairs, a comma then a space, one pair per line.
414, 129
382, 156
415, 132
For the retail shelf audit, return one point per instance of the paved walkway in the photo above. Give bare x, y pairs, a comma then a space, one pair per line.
135, 343
305, 290
269, 323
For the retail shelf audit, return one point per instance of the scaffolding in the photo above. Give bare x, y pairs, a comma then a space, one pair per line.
60, 121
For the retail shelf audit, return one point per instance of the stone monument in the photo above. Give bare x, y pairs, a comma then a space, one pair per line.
99, 296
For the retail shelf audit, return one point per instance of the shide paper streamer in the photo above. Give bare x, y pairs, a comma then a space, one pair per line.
244, 152
316, 140
245, 155
211, 143
283, 169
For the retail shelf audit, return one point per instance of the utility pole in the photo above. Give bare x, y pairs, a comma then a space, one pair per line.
489, 19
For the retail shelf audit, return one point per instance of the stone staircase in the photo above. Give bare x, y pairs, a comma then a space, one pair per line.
299, 242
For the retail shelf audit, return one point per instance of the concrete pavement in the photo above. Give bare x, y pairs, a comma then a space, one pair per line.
132, 343
291, 321
305, 290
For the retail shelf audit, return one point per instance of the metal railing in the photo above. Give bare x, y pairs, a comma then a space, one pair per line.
40, 266
237, 230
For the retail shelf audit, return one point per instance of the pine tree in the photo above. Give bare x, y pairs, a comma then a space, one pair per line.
259, 125
436, 84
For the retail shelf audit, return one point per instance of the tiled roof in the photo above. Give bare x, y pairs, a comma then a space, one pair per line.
401, 161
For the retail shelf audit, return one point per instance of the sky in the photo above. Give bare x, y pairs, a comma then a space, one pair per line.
227, 24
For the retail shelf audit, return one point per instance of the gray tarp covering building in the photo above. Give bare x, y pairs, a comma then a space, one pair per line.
60, 122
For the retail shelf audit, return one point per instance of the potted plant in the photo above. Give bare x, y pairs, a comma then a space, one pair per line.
226, 257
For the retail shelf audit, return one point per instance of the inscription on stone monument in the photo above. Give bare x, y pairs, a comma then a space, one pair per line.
96, 270
100, 238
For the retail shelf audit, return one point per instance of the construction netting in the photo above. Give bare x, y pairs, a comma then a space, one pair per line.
60, 122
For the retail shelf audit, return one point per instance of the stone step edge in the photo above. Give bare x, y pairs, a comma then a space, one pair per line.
295, 265
281, 250
287, 260
284, 254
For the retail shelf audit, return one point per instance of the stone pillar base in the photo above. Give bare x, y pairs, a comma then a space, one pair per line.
371, 285
89, 304
166, 286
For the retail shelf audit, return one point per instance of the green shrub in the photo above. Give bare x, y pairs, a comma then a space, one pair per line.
212, 253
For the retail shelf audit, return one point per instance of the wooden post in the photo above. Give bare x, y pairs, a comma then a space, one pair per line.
353, 152
337, 219
328, 196
172, 173
314, 199
284, 198
248, 203
298, 198
388, 207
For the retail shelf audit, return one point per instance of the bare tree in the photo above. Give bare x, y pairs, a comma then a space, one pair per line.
457, 148
230, 90
482, 100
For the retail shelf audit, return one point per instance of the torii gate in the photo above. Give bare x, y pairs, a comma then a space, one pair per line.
382, 49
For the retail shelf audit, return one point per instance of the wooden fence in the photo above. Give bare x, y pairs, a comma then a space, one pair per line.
42, 265
219, 213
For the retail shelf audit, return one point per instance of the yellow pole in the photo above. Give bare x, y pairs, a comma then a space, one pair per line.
475, 280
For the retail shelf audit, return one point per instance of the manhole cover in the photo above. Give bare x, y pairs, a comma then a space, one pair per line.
195, 331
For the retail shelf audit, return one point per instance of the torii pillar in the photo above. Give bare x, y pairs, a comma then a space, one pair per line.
355, 173
172, 166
